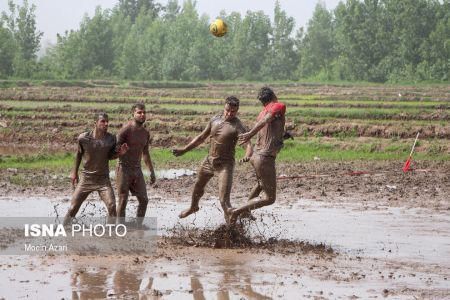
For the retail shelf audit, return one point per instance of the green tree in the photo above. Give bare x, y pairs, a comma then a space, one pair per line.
317, 48
96, 49
436, 49
281, 59
21, 21
132, 8
250, 45
412, 23
7, 49
182, 32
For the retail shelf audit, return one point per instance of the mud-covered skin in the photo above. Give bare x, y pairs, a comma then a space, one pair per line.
129, 173
269, 130
222, 131
95, 154
223, 136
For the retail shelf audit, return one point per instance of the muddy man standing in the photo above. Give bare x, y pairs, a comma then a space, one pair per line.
269, 129
129, 173
223, 131
95, 149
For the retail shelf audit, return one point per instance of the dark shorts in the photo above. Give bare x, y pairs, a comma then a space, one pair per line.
130, 179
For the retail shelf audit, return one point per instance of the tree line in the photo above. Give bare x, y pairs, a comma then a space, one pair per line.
370, 40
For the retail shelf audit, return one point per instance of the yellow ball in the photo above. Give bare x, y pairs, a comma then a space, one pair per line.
218, 28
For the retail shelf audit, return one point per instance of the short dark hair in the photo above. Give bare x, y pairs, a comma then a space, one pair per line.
101, 115
266, 94
232, 101
139, 105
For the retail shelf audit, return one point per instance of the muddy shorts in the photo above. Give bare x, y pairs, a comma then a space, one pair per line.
224, 169
265, 173
130, 179
89, 184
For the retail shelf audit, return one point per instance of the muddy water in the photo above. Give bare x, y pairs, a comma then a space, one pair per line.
388, 252
382, 232
163, 173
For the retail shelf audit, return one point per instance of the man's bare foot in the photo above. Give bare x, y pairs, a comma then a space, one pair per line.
234, 214
248, 215
187, 212
226, 214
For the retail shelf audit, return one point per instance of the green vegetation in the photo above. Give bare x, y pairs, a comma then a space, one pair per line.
144, 41
301, 150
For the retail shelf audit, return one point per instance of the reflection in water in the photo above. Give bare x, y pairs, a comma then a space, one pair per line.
126, 283
230, 280
197, 288
100, 283
162, 174
89, 284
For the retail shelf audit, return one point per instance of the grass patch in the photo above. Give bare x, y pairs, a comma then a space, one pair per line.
300, 150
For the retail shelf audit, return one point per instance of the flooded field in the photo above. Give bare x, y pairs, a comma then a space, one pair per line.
347, 222
378, 252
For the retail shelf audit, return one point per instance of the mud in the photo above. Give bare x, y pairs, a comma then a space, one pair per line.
29, 113
371, 252
338, 230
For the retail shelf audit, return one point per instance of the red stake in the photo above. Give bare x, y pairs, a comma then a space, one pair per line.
408, 162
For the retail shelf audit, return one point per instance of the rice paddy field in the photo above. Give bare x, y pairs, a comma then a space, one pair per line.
336, 121
348, 223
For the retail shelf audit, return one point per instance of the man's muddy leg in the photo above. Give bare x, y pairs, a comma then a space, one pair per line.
265, 170
142, 206
122, 205
197, 193
78, 198
107, 196
123, 189
257, 188
225, 183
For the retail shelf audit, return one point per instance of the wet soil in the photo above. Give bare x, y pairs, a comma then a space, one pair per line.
426, 185
59, 125
337, 231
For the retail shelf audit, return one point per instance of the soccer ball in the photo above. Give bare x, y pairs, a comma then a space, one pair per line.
218, 28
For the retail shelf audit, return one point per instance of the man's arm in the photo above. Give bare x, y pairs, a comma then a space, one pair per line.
117, 150
149, 164
245, 137
198, 140
78, 156
248, 152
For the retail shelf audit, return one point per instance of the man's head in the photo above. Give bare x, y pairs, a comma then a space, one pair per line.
101, 122
139, 113
266, 95
231, 107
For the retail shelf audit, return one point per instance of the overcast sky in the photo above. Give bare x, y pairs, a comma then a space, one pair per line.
57, 16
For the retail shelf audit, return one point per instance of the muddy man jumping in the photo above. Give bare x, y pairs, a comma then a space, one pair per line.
223, 131
270, 130
95, 149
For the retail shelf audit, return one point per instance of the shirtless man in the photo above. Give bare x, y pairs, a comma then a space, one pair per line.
129, 173
223, 131
95, 149
270, 130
